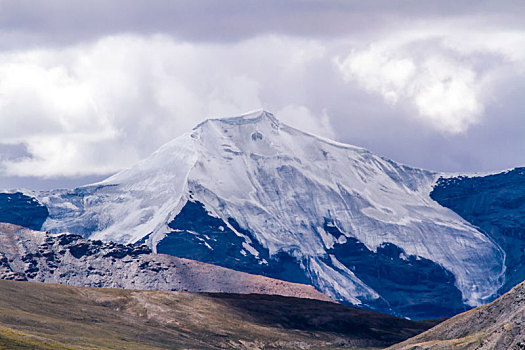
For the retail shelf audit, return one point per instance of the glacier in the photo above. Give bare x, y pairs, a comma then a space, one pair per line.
290, 200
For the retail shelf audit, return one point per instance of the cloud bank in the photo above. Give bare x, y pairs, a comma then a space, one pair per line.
90, 90
96, 108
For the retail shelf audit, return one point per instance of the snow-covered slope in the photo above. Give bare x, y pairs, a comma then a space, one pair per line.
281, 197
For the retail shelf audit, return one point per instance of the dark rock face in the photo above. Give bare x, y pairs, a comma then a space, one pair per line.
411, 285
495, 204
19, 209
197, 235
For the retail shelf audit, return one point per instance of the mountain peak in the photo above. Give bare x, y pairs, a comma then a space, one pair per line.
253, 117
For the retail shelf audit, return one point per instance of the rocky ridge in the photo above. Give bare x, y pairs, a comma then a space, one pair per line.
28, 255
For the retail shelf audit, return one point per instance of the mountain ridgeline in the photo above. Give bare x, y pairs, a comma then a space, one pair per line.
255, 195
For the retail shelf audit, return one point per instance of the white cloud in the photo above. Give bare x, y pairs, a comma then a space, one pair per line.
444, 90
99, 107
303, 119
445, 69
447, 94
377, 71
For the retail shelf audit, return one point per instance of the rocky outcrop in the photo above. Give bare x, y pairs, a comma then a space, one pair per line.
28, 255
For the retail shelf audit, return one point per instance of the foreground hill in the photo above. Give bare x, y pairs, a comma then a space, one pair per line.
48, 316
498, 325
255, 195
29, 255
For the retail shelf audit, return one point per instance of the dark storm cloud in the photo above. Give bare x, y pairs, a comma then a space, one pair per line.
66, 21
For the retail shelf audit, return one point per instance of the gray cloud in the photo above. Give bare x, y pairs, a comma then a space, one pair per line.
67, 22
87, 88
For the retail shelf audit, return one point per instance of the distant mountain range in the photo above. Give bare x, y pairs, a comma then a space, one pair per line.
255, 195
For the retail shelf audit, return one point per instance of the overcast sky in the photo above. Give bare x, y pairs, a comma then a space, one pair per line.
90, 87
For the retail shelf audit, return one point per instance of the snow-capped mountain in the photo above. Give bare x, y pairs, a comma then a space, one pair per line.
256, 195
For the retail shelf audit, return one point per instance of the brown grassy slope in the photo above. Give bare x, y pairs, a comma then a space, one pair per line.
48, 316
498, 325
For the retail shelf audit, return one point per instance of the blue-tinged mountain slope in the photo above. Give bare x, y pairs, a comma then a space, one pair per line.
197, 235
20, 209
496, 205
